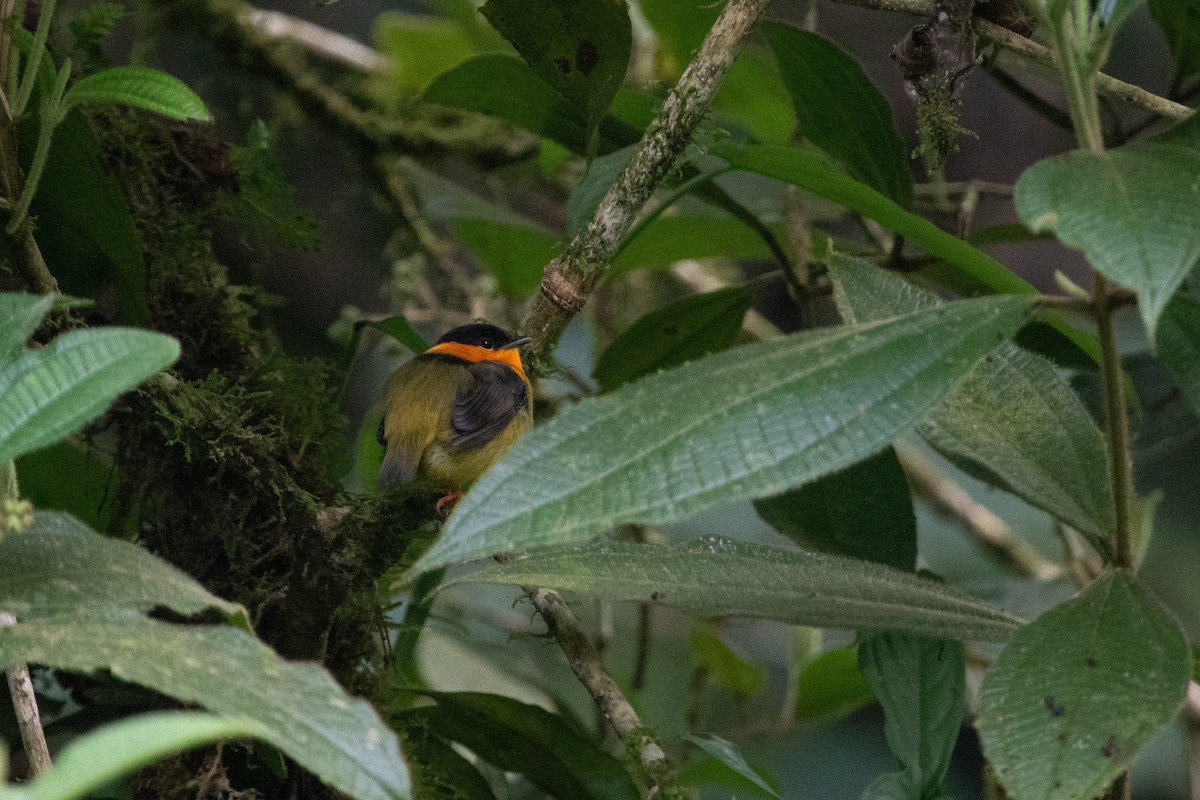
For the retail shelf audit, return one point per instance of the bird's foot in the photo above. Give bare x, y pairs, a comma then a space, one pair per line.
446, 504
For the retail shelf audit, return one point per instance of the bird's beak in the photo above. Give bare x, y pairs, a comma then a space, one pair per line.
517, 343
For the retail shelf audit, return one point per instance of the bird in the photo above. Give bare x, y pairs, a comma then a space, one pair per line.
455, 409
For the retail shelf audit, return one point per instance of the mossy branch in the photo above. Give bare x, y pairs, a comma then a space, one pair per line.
568, 280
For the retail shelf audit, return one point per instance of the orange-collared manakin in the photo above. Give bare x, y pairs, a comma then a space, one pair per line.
452, 411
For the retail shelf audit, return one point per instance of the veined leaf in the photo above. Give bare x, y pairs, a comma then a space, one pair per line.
674, 334
727, 754
716, 577
920, 683
1179, 345
141, 87
1077, 692
744, 423
518, 737
79, 600
96, 758
1014, 421
60, 567
1132, 210
864, 511
47, 394
580, 48
20, 315
840, 111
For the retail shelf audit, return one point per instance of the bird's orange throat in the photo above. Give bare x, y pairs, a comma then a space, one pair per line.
473, 352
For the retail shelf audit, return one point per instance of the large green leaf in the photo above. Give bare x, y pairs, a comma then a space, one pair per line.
60, 568
91, 761
748, 422
580, 48
920, 683
674, 237
518, 737
831, 684
79, 600
839, 110
418, 47
716, 577
437, 770
20, 314
674, 334
1132, 210
1179, 345
1076, 693
47, 394
1014, 421
141, 87
864, 511
1180, 24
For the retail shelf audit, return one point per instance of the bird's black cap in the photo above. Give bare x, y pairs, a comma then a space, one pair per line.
478, 333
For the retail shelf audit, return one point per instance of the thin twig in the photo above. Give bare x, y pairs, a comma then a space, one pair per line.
569, 279
985, 527
1134, 95
585, 663
29, 720
320, 41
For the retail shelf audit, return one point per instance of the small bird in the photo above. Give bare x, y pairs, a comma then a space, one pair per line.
453, 411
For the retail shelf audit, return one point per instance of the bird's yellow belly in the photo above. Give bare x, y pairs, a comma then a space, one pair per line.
460, 467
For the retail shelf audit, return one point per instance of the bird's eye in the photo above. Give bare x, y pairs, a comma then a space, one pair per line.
488, 343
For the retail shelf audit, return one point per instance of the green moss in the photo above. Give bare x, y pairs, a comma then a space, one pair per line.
939, 127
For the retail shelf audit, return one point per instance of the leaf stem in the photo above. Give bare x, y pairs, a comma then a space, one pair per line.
29, 76
52, 113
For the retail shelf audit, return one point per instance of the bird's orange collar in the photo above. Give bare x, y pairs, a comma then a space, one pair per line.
473, 352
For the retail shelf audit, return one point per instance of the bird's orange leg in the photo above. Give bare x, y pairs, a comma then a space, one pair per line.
447, 503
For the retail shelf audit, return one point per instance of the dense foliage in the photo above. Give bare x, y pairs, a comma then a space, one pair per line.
826, 426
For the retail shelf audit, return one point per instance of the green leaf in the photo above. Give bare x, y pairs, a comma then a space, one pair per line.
1180, 24
20, 314
1132, 210
47, 394
674, 237
726, 668
920, 683
502, 85
816, 173
716, 577
418, 48
438, 771
516, 255
592, 187
59, 568
402, 331
674, 334
832, 685
1179, 345
140, 87
744, 423
300, 708
1073, 697
752, 96
726, 753
96, 758
864, 511
840, 111
580, 48
86, 231
522, 738
1014, 421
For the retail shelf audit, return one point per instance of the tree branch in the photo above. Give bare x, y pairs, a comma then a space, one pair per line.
569, 279
1134, 95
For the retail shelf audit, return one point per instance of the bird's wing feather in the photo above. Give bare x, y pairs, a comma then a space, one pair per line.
414, 412
486, 406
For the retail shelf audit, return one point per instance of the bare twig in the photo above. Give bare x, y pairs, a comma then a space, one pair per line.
569, 279
1134, 95
321, 41
585, 663
984, 526
20, 686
